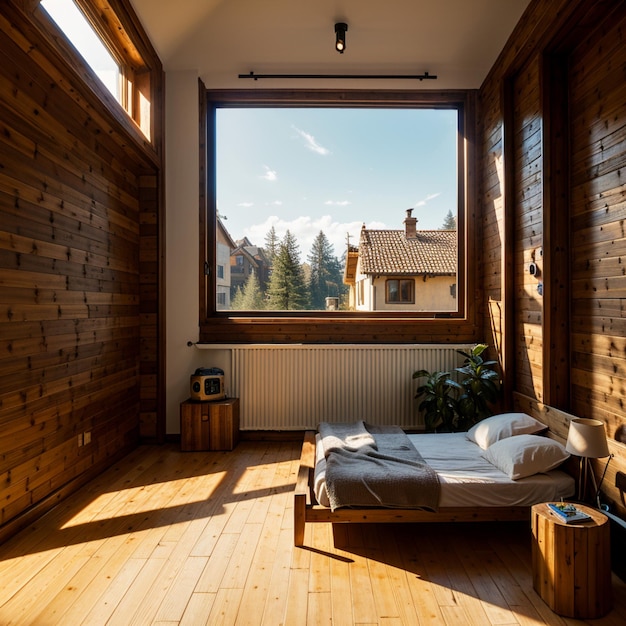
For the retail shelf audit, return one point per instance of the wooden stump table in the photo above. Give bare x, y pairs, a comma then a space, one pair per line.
572, 562
209, 425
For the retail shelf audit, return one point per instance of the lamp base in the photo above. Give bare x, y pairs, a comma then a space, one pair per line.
585, 473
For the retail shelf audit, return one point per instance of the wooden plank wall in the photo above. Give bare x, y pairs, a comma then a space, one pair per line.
598, 236
152, 294
515, 190
79, 206
528, 230
558, 422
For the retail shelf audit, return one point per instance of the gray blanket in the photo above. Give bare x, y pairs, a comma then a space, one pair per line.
375, 466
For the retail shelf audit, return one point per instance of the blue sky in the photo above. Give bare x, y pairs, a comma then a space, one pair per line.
312, 169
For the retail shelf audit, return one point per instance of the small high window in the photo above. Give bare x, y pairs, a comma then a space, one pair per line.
73, 22
105, 46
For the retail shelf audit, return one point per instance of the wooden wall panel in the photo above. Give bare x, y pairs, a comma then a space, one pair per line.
151, 293
598, 234
79, 278
590, 38
527, 193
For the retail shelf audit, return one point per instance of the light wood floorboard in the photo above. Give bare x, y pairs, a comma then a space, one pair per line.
166, 538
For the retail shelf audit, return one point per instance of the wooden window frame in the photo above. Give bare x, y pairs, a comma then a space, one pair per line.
118, 31
462, 325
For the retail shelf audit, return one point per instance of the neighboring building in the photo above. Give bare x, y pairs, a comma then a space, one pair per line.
246, 258
225, 245
403, 270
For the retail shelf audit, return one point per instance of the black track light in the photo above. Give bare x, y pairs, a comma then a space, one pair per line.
340, 36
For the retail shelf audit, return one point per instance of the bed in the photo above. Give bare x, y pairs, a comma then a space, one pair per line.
495, 472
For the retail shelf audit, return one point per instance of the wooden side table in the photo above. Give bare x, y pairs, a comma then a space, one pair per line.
209, 425
572, 562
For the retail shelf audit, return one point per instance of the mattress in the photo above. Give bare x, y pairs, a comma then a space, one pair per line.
467, 479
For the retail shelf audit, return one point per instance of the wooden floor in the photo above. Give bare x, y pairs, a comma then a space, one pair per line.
206, 538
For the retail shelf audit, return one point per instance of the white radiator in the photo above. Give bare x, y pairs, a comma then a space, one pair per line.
293, 387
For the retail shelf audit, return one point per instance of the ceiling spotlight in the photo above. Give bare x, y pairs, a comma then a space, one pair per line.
340, 40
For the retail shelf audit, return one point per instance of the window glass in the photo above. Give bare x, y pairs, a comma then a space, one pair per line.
406, 290
401, 290
393, 292
299, 187
72, 21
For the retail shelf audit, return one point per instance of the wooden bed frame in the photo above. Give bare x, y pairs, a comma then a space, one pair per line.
306, 508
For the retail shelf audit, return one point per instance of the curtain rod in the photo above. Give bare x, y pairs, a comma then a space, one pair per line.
424, 76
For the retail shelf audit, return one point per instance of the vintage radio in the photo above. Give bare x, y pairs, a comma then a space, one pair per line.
207, 383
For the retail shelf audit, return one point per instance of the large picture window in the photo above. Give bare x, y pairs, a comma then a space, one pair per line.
318, 197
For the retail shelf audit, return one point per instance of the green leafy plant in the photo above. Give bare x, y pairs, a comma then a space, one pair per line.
438, 405
451, 406
480, 385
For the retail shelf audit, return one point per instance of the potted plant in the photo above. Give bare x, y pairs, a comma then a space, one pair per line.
479, 387
451, 406
438, 405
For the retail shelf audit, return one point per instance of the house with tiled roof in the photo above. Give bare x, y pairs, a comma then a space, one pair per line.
409, 269
245, 259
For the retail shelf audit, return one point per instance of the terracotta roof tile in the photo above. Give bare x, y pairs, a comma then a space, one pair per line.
432, 252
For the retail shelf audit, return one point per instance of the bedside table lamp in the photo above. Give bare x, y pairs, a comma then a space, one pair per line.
586, 439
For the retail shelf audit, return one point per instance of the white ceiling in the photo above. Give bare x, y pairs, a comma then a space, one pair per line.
458, 40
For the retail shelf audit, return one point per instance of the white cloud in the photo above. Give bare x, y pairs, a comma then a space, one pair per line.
306, 229
274, 203
311, 143
337, 202
270, 174
428, 198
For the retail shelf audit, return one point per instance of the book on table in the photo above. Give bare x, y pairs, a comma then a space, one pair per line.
569, 513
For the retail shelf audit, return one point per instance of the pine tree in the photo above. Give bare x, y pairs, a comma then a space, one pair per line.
287, 290
271, 245
449, 221
250, 296
326, 276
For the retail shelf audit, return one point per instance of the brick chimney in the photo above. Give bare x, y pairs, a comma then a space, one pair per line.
409, 225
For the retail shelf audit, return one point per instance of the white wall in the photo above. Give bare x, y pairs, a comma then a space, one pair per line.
182, 244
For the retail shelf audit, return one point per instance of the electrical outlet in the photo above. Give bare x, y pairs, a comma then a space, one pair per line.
87, 437
80, 440
620, 481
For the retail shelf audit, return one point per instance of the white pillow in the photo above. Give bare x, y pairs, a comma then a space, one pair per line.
497, 427
525, 455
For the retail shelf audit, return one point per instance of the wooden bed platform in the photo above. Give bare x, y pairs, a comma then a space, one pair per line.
306, 508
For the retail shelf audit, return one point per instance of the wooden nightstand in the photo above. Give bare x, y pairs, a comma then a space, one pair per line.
209, 425
572, 562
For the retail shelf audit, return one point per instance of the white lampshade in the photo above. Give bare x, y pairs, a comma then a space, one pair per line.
587, 438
